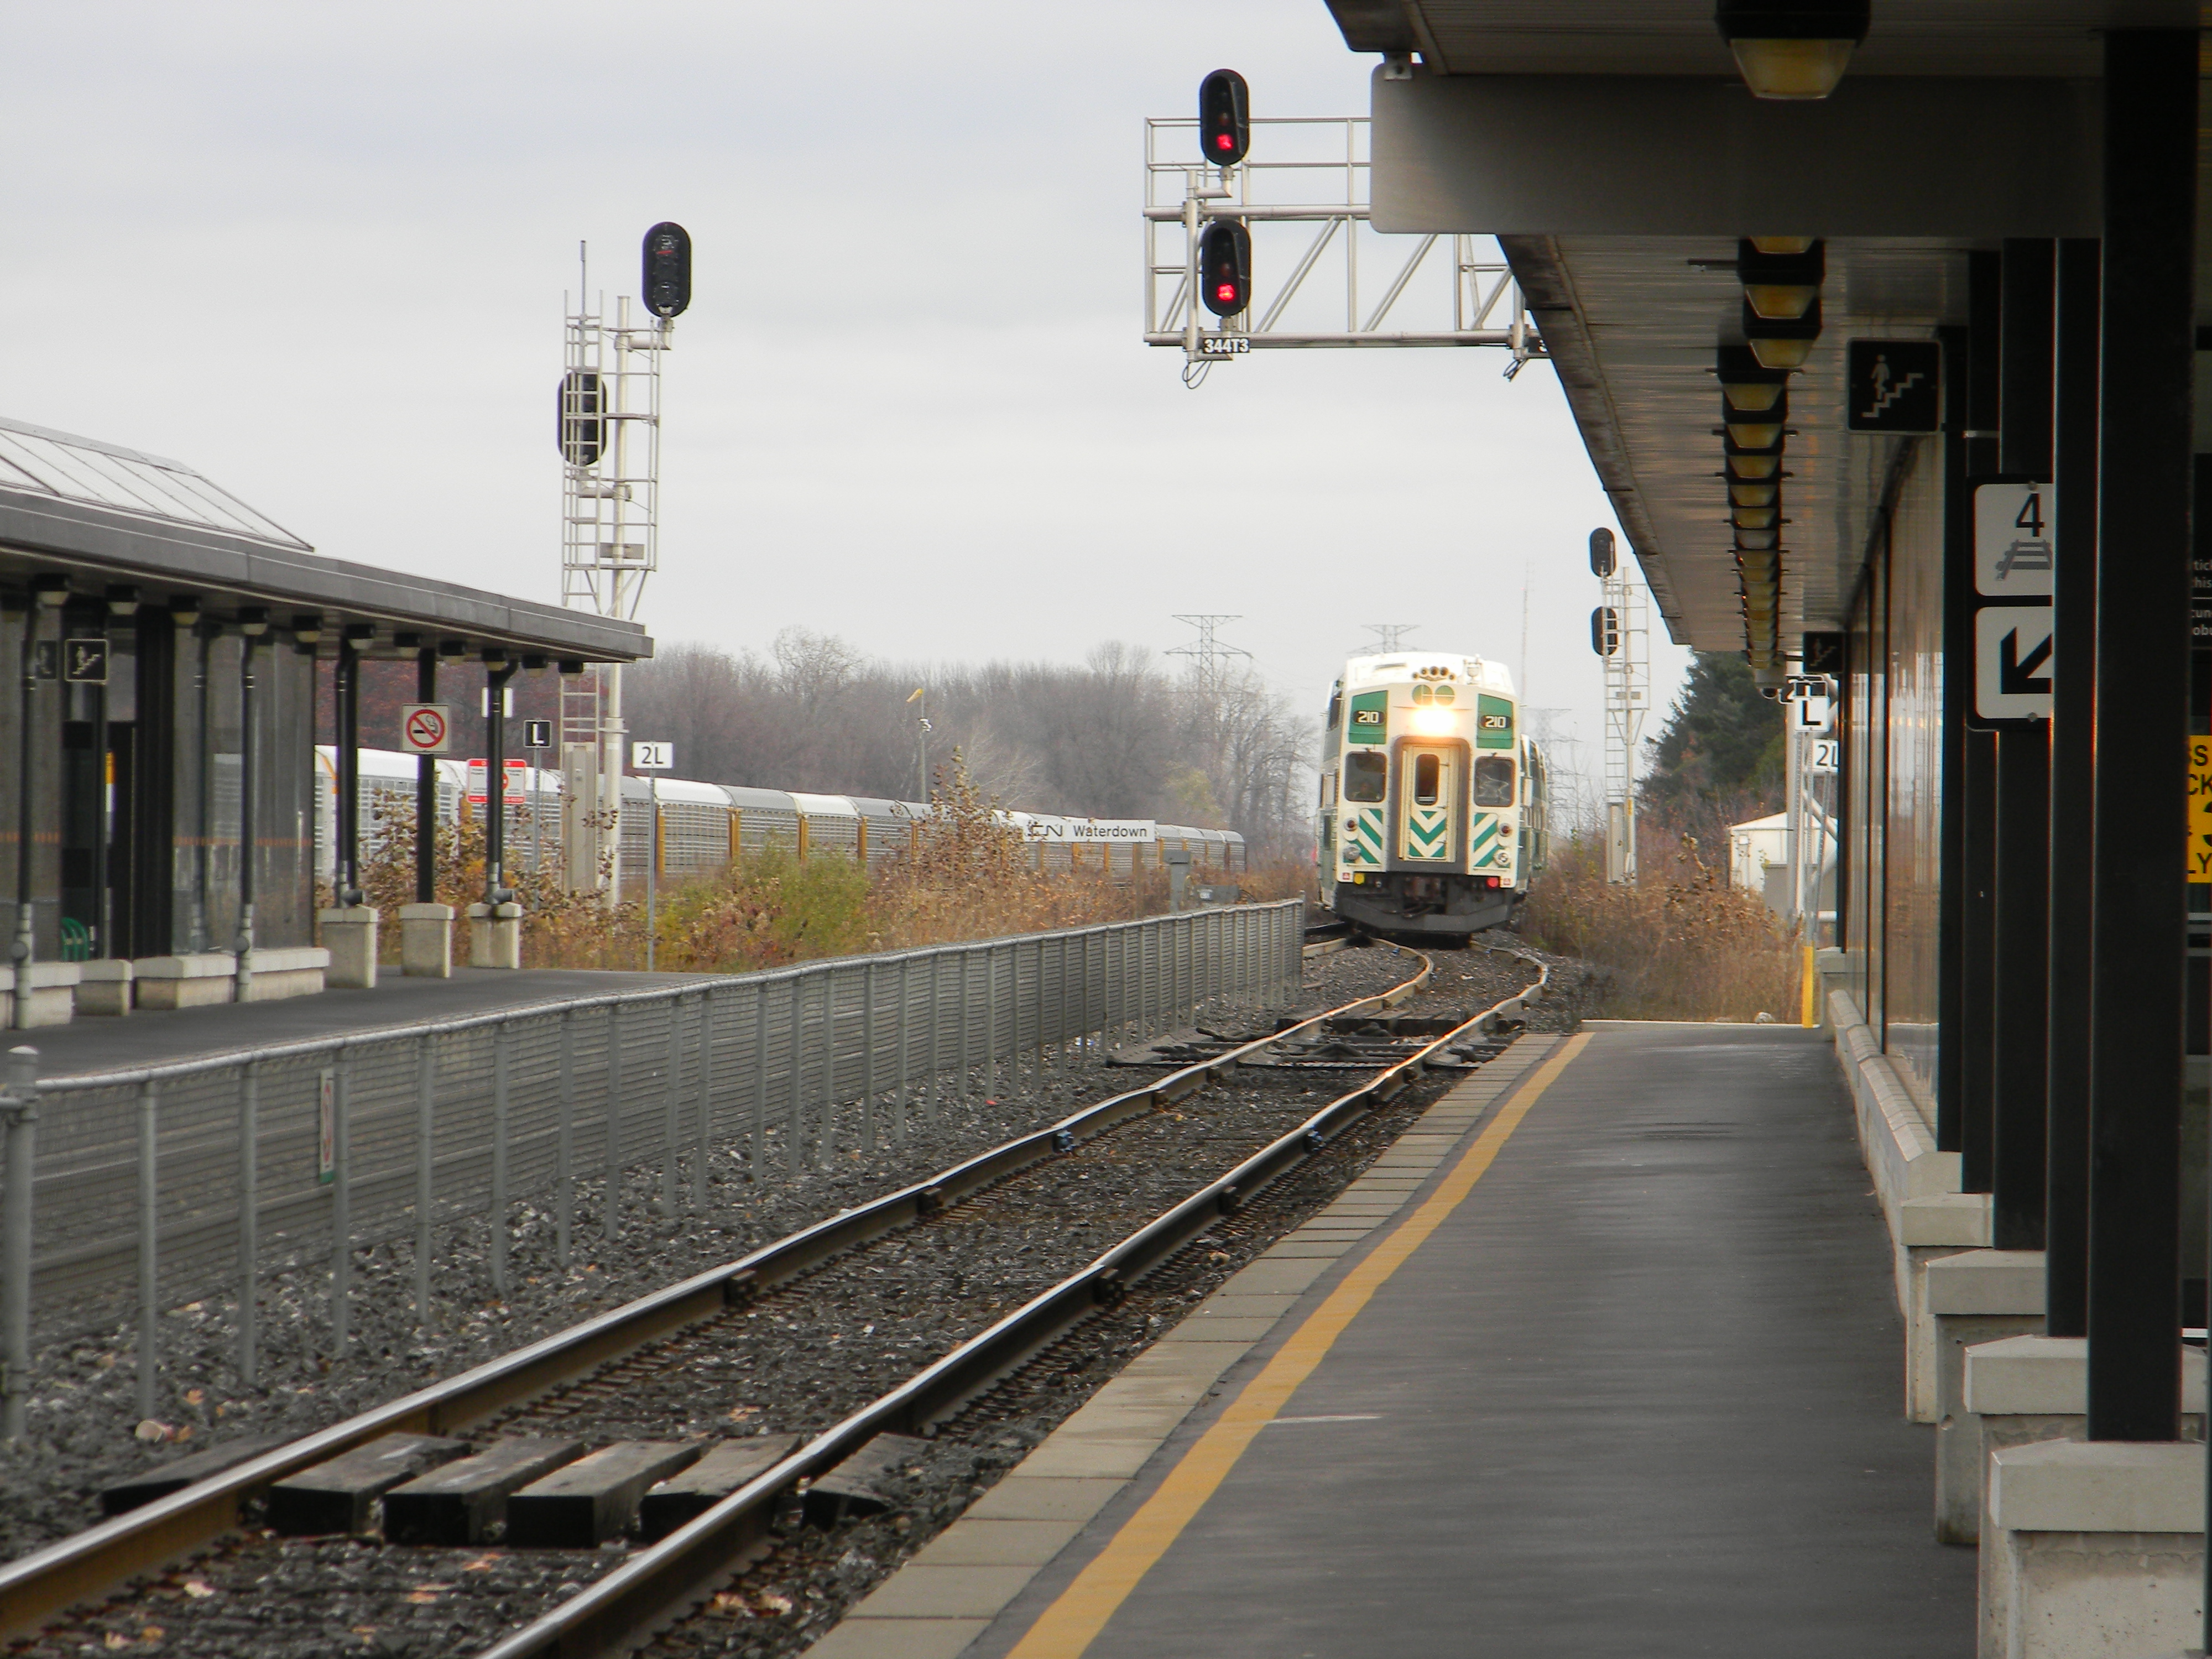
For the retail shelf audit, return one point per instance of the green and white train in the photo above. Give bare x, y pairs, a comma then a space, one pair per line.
1432, 799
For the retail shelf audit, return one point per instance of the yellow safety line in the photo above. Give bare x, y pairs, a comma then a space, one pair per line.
1067, 1628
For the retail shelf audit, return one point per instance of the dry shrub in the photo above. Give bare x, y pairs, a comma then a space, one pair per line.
1681, 943
968, 876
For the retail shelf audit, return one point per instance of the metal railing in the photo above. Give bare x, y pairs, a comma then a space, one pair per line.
129, 1192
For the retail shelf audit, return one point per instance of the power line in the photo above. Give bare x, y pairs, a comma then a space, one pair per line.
1389, 637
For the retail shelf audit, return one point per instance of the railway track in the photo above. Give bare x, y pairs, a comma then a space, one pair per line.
641, 1375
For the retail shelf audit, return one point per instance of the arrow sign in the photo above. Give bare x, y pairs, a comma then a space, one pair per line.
2016, 674
2013, 662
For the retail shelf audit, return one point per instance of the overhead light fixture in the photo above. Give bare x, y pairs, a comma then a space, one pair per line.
1755, 518
1759, 540
1781, 285
1781, 341
1792, 49
1754, 495
572, 665
1782, 243
1744, 460
1747, 384
122, 599
452, 647
253, 621
307, 628
1760, 431
50, 590
186, 611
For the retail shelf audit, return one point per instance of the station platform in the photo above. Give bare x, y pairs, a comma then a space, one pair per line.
1602, 1352
158, 1037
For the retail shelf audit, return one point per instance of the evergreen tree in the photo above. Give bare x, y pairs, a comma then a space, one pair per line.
1719, 760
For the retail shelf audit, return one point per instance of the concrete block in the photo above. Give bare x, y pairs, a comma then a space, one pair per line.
426, 940
968, 1592
2095, 1547
1986, 1282
197, 981
103, 987
51, 998
1025, 1497
1087, 1459
298, 970
971, 1543
348, 933
496, 935
862, 1638
1959, 1221
2024, 1390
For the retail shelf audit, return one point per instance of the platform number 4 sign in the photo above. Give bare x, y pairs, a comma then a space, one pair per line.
2013, 568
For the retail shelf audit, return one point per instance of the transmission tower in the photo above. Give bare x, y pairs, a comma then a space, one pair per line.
1389, 637
1211, 653
609, 441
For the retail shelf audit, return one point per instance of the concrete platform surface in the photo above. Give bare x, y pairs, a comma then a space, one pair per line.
1635, 1392
95, 1044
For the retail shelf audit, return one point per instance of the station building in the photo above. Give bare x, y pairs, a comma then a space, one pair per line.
160, 645
1825, 283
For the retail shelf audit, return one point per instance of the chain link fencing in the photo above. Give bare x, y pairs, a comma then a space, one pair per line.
130, 1192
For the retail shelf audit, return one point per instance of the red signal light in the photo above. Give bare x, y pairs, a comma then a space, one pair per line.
1224, 123
1224, 267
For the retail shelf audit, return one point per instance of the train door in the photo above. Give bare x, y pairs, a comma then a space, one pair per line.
1428, 802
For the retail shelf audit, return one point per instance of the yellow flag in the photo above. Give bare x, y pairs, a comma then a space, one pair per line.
918, 690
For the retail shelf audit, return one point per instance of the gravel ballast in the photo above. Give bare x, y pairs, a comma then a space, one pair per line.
800, 1356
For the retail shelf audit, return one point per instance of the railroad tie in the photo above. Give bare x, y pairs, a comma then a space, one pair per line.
180, 1473
339, 1496
462, 1502
689, 1494
862, 1484
584, 1504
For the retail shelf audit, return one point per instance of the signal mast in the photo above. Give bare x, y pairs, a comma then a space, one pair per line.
1619, 634
607, 429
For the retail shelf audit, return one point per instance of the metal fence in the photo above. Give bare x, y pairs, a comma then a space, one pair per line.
129, 1193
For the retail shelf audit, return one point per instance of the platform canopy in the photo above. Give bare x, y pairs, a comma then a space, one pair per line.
111, 518
1614, 151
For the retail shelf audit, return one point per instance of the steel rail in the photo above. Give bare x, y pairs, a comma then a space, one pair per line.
662, 1583
37, 1588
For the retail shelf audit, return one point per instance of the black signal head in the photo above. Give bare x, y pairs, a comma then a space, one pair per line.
667, 280
1224, 119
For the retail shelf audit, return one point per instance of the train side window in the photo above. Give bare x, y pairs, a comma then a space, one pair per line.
1428, 771
1335, 706
1364, 772
1493, 780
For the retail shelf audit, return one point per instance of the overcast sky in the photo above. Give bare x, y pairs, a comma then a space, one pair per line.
319, 253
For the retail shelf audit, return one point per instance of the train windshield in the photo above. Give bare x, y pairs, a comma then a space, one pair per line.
1493, 781
1363, 776
1426, 772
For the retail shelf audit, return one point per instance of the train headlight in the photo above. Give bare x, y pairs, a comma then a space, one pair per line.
1432, 722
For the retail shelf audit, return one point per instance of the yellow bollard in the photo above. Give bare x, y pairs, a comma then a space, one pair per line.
1810, 981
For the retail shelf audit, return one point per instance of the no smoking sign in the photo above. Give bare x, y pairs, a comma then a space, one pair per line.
426, 728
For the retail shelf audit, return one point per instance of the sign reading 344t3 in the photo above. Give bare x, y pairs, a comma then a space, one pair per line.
2013, 564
